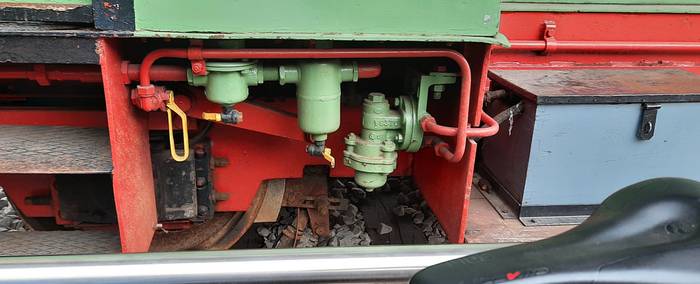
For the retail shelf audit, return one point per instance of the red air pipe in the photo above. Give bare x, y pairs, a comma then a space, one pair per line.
91, 74
428, 124
604, 46
461, 132
44, 74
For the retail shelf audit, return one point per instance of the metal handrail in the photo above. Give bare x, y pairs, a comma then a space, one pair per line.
385, 264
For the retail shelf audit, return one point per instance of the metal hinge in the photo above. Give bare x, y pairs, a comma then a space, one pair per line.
648, 122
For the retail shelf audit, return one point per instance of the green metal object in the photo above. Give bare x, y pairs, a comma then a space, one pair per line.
318, 88
227, 82
397, 20
436, 80
603, 6
373, 155
385, 131
318, 98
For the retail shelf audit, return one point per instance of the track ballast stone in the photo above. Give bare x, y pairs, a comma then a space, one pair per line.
9, 218
399, 215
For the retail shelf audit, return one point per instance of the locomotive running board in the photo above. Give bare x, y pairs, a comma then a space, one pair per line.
54, 150
31, 243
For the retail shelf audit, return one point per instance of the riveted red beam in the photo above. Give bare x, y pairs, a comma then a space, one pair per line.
461, 131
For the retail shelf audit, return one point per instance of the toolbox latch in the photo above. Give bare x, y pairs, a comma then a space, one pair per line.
648, 123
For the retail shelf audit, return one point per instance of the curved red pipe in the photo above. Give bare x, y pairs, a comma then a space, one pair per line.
460, 132
429, 125
441, 148
490, 129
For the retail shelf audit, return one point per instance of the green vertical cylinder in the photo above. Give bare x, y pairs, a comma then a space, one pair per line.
318, 97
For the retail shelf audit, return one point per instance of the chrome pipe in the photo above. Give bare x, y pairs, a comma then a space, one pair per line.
377, 264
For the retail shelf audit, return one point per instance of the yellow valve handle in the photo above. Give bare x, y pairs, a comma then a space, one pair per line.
210, 116
327, 155
171, 106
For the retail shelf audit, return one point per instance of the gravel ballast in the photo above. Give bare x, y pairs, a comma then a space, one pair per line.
9, 218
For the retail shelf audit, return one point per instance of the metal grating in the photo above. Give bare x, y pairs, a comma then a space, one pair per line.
58, 243
54, 150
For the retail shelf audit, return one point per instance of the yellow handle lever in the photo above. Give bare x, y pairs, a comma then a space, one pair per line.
327, 155
171, 106
211, 116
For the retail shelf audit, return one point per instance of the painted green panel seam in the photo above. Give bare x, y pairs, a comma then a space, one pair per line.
600, 8
358, 18
498, 39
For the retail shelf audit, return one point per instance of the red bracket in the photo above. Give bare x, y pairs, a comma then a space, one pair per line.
194, 54
550, 42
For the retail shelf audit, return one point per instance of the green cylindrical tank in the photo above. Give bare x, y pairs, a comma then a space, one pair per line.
227, 82
318, 97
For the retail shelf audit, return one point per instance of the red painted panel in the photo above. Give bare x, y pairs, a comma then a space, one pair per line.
519, 26
256, 156
53, 117
447, 188
18, 187
603, 26
132, 177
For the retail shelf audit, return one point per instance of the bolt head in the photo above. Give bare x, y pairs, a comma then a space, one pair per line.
201, 181
376, 97
197, 67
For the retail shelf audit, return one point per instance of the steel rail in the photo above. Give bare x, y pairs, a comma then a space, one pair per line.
385, 264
